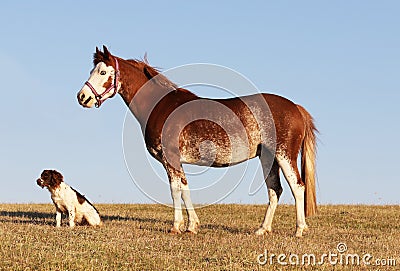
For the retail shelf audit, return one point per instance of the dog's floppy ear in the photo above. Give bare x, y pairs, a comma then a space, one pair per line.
56, 178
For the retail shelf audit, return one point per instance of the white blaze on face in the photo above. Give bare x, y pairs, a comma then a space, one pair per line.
99, 76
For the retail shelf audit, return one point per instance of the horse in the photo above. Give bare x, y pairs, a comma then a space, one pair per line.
175, 122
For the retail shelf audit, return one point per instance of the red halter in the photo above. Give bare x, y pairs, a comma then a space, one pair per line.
114, 86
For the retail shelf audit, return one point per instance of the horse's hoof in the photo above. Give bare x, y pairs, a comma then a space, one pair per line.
299, 232
262, 231
174, 231
193, 227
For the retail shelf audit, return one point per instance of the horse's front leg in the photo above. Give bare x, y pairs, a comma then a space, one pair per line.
176, 193
180, 190
194, 221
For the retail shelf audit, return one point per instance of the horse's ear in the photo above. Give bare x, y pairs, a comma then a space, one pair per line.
145, 58
106, 52
97, 56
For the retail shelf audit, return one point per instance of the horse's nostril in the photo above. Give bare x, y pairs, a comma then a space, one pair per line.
82, 97
87, 101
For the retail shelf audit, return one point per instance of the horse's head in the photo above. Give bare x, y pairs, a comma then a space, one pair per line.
103, 82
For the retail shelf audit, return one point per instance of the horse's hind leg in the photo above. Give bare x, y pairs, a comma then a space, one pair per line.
274, 192
291, 173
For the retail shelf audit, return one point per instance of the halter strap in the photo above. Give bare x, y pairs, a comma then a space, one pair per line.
100, 97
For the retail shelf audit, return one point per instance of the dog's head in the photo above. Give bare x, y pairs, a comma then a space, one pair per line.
50, 179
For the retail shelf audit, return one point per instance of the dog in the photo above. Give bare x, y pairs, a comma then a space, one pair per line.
68, 201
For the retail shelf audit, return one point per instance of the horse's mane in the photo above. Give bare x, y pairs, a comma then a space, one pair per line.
152, 73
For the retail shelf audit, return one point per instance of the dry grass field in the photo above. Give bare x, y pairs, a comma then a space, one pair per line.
135, 237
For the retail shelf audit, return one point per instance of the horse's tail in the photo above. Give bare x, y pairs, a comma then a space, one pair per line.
308, 154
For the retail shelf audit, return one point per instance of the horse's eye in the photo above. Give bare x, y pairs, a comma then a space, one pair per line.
103, 73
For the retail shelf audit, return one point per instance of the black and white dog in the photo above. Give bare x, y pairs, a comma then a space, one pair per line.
68, 201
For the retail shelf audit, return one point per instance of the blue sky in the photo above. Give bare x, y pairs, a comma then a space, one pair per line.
339, 59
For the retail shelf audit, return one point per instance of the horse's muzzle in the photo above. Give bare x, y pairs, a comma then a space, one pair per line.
83, 100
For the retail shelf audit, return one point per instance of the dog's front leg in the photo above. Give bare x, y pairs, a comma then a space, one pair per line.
71, 216
58, 218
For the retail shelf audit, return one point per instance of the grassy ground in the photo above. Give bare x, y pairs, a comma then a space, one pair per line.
134, 237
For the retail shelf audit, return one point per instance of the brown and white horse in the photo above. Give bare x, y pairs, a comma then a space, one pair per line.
175, 122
